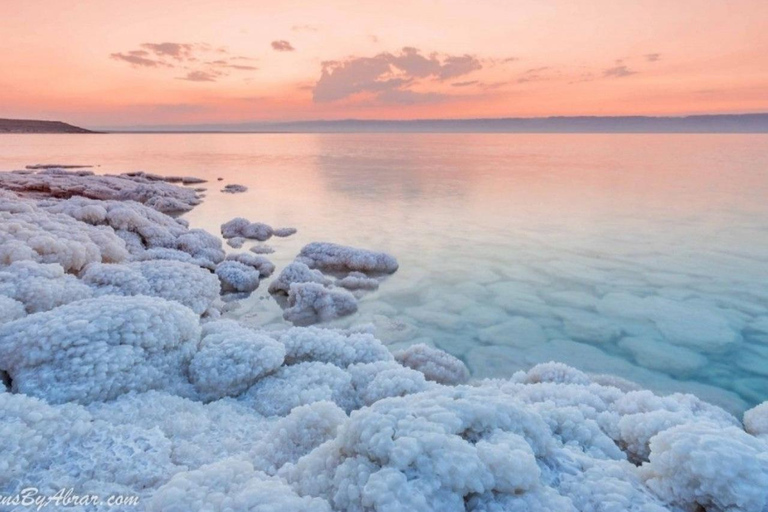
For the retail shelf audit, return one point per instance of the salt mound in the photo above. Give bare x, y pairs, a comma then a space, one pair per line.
243, 228
284, 232
98, 349
310, 303
234, 188
184, 283
237, 277
40, 287
62, 184
435, 364
358, 281
260, 263
333, 257
297, 272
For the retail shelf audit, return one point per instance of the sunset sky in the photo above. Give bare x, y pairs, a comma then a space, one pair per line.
100, 63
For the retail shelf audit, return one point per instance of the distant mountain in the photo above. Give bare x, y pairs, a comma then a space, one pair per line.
33, 126
738, 123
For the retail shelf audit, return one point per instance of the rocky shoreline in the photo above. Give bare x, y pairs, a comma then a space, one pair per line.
122, 374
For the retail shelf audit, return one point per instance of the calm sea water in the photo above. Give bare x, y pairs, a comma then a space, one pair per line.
642, 256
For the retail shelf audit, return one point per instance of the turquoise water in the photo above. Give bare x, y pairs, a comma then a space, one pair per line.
642, 256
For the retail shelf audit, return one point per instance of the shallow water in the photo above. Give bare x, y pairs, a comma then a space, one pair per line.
642, 256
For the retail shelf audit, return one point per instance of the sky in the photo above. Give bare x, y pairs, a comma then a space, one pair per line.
111, 63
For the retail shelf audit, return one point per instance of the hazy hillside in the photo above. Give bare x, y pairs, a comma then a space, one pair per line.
33, 126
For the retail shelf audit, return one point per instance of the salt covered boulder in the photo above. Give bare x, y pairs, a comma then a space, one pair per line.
297, 272
10, 309
237, 277
234, 188
185, 283
358, 281
231, 358
230, 485
40, 286
240, 227
260, 263
339, 258
284, 232
333, 346
97, 349
310, 303
707, 467
436, 365
756, 420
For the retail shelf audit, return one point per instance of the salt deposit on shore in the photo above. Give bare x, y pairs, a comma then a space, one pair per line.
119, 375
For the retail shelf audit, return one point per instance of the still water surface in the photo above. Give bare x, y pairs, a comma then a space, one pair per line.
642, 256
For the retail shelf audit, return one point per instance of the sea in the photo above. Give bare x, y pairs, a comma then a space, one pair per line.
640, 256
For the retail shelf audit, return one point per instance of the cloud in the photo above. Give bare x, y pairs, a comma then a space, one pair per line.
390, 76
137, 59
199, 76
282, 46
652, 57
618, 72
203, 62
464, 84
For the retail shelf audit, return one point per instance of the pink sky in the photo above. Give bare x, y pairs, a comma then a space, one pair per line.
118, 62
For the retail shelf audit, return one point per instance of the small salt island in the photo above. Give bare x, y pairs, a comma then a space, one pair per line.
121, 369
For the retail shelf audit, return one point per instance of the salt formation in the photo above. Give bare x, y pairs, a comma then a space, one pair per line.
117, 378
236, 242
297, 272
98, 349
260, 263
435, 364
240, 227
64, 184
333, 257
358, 281
261, 249
237, 277
284, 232
234, 189
310, 303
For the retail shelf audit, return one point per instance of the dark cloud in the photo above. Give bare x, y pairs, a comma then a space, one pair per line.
199, 76
464, 84
282, 46
652, 57
618, 72
203, 62
389, 76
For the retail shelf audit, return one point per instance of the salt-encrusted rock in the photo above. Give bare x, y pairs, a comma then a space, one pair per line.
284, 232
10, 309
185, 283
230, 485
143, 229
333, 346
164, 197
51, 447
262, 249
28, 232
358, 281
310, 303
191, 180
234, 188
756, 420
706, 467
231, 358
237, 277
305, 428
384, 379
301, 384
240, 227
435, 364
260, 263
98, 349
236, 242
297, 272
40, 287
333, 257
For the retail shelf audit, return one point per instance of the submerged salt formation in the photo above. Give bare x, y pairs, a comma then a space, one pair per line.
234, 189
309, 303
117, 377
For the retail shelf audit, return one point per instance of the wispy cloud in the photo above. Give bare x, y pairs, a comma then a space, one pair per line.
201, 61
390, 77
652, 57
464, 84
282, 46
619, 71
